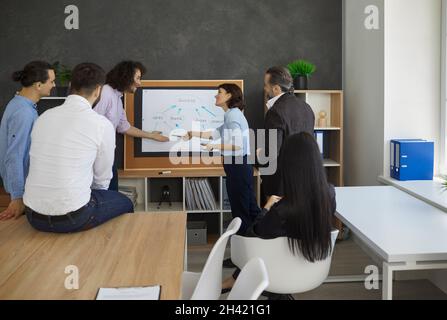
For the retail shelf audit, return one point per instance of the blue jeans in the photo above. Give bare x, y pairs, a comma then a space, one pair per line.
103, 206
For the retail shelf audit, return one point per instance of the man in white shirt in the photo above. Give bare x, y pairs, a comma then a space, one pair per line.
71, 157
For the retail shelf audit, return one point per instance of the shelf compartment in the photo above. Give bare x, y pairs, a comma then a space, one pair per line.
165, 207
201, 199
328, 163
155, 187
212, 220
327, 129
204, 211
140, 208
334, 175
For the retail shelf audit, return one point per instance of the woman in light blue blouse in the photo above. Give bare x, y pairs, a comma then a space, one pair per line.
234, 147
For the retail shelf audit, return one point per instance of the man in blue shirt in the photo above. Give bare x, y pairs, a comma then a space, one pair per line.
37, 80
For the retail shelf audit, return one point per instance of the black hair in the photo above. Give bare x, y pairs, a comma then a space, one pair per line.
281, 76
237, 97
86, 77
307, 200
121, 77
35, 71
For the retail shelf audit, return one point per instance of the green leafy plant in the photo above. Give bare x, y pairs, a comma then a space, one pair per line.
301, 68
63, 74
444, 183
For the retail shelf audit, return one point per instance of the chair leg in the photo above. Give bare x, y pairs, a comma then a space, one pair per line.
269, 295
276, 296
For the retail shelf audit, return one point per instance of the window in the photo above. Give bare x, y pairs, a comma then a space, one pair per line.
443, 136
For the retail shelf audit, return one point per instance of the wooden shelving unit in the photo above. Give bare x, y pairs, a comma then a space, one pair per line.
330, 101
149, 182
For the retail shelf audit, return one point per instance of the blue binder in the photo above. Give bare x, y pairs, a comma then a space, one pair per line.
412, 159
319, 137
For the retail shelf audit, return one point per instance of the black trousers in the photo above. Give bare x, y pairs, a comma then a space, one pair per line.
241, 193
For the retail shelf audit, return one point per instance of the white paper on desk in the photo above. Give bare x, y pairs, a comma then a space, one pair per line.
138, 293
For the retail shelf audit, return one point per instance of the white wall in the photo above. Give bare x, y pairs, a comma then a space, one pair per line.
413, 65
364, 94
439, 278
443, 138
392, 83
412, 72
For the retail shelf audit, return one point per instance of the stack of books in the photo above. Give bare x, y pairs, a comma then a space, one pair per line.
199, 195
130, 192
225, 200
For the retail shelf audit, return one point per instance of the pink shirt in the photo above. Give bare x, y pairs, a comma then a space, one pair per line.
111, 107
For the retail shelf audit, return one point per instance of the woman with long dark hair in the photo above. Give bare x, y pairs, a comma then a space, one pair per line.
305, 214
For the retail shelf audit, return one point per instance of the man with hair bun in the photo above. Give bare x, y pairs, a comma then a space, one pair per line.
37, 79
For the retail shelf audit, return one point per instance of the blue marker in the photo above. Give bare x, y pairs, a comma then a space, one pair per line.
170, 108
209, 112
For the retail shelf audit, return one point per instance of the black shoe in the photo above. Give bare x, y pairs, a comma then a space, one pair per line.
227, 263
225, 290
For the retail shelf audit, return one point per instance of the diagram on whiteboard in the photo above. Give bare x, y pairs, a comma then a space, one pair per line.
176, 111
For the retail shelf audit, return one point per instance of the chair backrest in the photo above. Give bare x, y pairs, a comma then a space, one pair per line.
209, 286
251, 282
288, 273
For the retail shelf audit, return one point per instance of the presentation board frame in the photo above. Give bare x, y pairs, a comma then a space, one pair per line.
132, 161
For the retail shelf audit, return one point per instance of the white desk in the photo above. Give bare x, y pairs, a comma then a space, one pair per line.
407, 233
430, 191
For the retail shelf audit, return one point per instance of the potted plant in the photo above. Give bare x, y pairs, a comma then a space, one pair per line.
63, 78
301, 70
444, 183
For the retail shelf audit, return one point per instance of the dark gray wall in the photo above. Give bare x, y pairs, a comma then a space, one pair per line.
178, 39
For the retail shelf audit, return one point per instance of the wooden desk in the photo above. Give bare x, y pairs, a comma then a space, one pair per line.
140, 249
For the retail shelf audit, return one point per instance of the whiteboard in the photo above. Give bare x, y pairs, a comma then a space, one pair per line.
176, 111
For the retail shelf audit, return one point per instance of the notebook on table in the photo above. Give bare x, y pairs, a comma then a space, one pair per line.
135, 293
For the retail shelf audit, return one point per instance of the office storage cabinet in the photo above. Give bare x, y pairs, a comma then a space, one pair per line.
150, 185
196, 233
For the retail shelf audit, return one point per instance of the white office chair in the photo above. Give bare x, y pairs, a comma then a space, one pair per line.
251, 282
208, 284
288, 273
